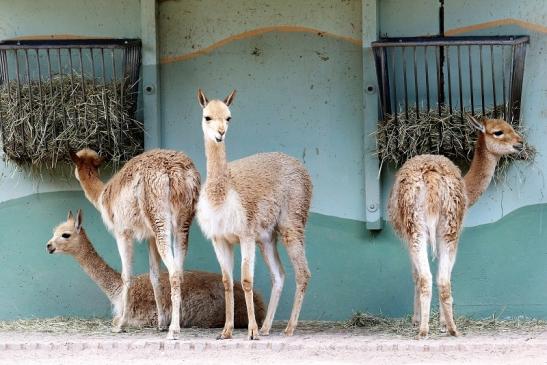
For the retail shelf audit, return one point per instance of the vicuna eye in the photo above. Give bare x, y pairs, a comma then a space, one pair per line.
208, 119
228, 119
498, 133
65, 235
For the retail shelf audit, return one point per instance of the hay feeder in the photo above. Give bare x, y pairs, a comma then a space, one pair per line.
58, 96
427, 86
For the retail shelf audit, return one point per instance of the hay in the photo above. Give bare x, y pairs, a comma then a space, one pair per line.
400, 138
465, 324
41, 122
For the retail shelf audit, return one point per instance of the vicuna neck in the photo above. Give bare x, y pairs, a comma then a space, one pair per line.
218, 175
481, 171
91, 183
99, 271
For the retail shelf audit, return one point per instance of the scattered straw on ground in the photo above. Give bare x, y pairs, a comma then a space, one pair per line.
403, 326
359, 324
400, 138
40, 122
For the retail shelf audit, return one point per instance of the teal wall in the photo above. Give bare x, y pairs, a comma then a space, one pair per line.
297, 67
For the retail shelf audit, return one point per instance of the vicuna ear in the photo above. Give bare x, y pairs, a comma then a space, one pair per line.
202, 98
230, 98
70, 216
98, 162
73, 156
78, 223
475, 123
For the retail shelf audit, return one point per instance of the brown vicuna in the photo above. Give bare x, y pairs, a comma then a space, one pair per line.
152, 197
427, 205
250, 201
202, 292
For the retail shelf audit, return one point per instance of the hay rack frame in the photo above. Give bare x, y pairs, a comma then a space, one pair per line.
467, 74
97, 60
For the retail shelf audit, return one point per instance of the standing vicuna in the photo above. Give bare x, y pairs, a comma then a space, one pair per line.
250, 201
152, 197
202, 292
427, 205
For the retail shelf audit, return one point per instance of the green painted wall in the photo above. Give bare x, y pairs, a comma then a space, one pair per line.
298, 70
352, 269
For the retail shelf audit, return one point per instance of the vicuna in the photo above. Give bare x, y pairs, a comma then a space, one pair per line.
427, 205
250, 201
202, 292
152, 197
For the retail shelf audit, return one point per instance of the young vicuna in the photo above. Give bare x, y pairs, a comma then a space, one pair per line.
202, 292
427, 205
251, 201
152, 197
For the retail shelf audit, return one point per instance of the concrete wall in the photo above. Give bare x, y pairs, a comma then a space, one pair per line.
297, 67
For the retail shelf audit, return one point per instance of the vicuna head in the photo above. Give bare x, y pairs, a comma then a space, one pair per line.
87, 162
498, 136
216, 116
67, 236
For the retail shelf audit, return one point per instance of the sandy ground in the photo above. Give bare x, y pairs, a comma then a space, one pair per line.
314, 343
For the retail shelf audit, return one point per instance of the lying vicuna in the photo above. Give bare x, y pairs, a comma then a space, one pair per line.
152, 197
250, 201
202, 292
427, 205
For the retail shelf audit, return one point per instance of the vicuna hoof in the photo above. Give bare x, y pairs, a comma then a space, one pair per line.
173, 334
117, 329
253, 333
454, 332
442, 328
289, 331
226, 334
422, 335
264, 332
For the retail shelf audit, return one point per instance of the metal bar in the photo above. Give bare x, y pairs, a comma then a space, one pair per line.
71, 69
70, 43
94, 82
18, 77
371, 183
394, 78
426, 79
503, 83
510, 108
50, 82
416, 85
440, 87
518, 71
460, 81
61, 83
493, 80
449, 81
82, 72
471, 80
405, 83
482, 82
106, 104
40, 85
450, 41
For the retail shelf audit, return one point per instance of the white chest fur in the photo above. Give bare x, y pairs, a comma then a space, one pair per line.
228, 219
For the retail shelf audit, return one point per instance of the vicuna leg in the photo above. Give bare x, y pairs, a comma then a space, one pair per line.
420, 262
125, 248
268, 248
225, 256
247, 277
154, 264
416, 314
294, 243
447, 257
180, 248
163, 243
